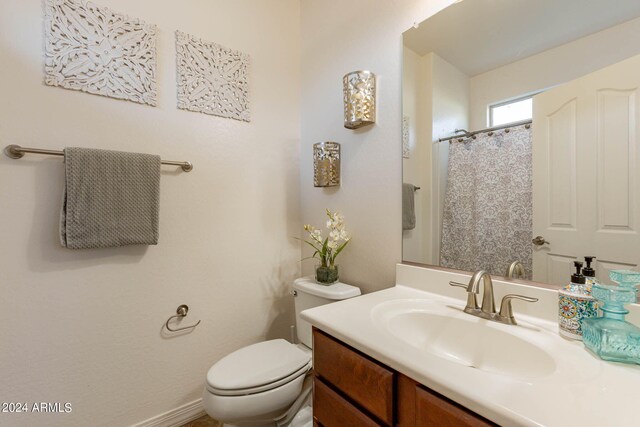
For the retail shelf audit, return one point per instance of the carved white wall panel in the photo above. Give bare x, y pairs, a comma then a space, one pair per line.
212, 79
406, 149
93, 49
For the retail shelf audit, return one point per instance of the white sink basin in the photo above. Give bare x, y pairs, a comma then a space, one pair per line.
522, 375
449, 333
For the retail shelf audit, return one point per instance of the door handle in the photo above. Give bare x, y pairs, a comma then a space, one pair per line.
539, 241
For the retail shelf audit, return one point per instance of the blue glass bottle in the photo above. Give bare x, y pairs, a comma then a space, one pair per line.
611, 337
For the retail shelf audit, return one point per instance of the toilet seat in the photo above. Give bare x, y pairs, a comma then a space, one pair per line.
258, 368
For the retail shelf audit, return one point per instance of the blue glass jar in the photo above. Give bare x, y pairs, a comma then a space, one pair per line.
611, 337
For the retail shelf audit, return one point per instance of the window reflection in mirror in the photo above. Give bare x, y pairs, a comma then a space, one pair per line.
511, 111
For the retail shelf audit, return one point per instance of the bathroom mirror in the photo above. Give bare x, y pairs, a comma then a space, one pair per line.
521, 121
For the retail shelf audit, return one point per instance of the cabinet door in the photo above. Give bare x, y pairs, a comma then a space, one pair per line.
332, 410
406, 401
364, 381
433, 410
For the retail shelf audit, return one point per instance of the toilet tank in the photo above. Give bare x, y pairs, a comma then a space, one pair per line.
309, 294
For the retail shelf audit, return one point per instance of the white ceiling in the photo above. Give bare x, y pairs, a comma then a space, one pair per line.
479, 35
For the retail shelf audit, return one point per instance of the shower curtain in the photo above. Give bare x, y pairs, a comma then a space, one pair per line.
487, 219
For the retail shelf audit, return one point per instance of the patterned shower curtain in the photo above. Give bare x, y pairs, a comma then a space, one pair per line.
487, 221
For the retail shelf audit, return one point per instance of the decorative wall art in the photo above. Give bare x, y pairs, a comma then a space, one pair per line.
326, 164
212, 79
359, 90
96, 50
405, 137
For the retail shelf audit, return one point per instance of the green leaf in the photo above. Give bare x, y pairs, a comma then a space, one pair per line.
324, 252
308, 243
325, 248
338, 250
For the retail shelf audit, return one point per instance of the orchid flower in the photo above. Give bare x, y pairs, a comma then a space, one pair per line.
327, 249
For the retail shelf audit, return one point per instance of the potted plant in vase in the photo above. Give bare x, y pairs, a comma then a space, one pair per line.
327, 249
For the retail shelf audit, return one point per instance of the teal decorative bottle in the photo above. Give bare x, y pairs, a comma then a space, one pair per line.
611, 337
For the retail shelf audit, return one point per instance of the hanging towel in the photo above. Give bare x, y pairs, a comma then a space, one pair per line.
408, 207
111, 199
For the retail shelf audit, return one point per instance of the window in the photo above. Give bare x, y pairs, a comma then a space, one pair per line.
511, 111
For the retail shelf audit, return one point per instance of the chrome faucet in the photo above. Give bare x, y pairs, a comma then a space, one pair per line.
488, 309
516, 270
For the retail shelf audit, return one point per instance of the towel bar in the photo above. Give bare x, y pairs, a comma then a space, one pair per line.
17, 152
180, 313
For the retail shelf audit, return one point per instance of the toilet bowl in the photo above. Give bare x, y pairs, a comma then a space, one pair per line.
268, 383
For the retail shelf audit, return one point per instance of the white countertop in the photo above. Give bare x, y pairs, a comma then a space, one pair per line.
582, 391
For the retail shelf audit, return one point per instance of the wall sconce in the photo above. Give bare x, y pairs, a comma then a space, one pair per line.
326, 164
359, 99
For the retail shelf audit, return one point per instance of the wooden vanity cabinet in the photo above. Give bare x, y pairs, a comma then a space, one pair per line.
351, 389
421, 407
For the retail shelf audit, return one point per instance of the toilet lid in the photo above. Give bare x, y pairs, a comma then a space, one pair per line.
257, 365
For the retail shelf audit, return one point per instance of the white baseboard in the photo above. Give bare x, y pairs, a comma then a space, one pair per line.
175, 417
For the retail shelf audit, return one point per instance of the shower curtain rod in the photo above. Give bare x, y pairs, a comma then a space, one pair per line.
527, 124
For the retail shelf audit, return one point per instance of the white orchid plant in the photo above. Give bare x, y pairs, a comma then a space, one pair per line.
328, 248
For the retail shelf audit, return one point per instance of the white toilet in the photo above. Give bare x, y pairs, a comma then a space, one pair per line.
266, 383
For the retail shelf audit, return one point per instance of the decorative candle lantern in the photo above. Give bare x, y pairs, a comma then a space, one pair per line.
326, 164
359, 99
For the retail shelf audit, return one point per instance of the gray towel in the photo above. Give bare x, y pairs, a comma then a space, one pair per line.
408, 207
111, 198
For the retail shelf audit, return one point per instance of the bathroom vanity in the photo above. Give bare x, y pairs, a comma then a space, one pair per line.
409, 355
352, 389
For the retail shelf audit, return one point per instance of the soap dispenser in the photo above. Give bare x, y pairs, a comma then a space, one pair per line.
589, 273
611, 337
575, 303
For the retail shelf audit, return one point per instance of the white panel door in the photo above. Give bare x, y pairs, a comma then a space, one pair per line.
585, 180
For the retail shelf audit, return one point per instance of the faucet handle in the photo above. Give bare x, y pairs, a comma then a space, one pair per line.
458, 284
472, 300
506, 311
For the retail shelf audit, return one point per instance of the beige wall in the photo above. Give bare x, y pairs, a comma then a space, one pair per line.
339, 37
85, 326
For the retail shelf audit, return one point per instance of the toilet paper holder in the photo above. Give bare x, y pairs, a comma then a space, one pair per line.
181, 312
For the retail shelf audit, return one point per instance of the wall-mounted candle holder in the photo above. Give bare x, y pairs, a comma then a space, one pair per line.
326, 164
359, 89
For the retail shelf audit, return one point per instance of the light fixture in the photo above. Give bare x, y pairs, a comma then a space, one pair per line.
326, 164
359, 89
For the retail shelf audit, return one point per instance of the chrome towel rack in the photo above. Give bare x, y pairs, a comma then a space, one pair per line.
17, 152
180, 313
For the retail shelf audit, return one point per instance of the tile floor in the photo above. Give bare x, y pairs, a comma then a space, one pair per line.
203, 421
